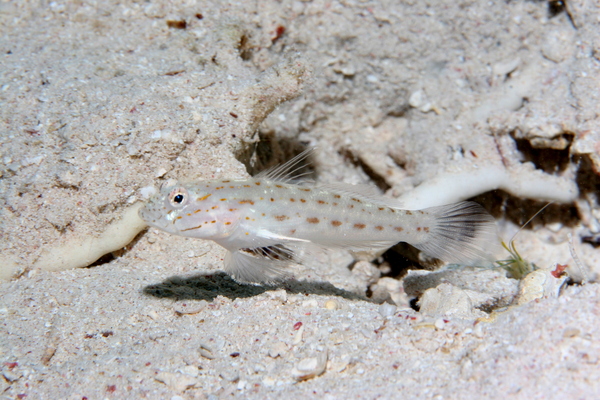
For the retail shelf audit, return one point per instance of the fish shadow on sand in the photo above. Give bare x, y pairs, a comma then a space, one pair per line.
209, 286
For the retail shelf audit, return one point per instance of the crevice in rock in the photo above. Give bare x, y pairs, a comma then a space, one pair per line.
271, 151
355, 160
502, 205
551, 161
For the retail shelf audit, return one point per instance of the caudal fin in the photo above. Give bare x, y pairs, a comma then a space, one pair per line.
462, 233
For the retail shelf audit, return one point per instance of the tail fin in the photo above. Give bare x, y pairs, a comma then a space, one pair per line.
462, 233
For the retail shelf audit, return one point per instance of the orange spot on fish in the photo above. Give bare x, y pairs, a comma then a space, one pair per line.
312, 220
379, 227
281, 217
359, 226
203, 198
189, 229
399, 228
246, 202
336, 223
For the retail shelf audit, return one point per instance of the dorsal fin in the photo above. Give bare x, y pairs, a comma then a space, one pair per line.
288, 171
363, 191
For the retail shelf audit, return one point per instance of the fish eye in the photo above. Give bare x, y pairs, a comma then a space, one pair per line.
178, 197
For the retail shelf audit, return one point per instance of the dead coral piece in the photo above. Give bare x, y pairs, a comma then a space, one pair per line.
540, 284
449, 300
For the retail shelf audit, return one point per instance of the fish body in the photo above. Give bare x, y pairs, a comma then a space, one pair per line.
265, 220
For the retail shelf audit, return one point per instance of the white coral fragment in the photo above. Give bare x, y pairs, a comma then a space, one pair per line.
540, 284
519, 180
81, 251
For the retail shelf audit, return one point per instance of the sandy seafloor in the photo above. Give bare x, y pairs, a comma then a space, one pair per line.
432, 102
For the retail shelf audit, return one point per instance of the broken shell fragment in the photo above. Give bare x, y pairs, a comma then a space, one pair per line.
311, 367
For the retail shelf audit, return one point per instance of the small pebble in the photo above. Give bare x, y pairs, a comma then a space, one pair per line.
571, 332
387, 310
312, 303
277, 349
280, 295
230, 375
332, 305
160, 172
268, 381
206, 351
176, 382
416, 99
439, 324
366, 272
11, 376
153, 314
478, 331
190, 370
298, 336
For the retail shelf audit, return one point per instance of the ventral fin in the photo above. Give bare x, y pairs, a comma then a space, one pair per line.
260, 264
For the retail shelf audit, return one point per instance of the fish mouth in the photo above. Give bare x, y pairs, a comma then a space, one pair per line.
155, 218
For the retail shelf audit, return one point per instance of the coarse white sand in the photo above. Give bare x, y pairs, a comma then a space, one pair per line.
100, 101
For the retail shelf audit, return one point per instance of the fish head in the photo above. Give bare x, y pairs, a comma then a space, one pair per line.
185, 210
